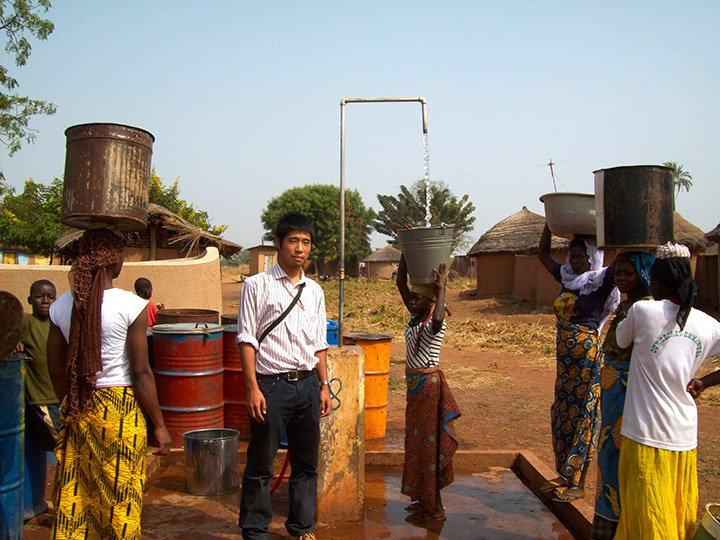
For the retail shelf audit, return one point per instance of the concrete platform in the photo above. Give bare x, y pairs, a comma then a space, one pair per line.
495, 496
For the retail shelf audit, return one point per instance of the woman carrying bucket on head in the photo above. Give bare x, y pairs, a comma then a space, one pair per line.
632, 277
587, 299
658, 458
98, 361
429, 444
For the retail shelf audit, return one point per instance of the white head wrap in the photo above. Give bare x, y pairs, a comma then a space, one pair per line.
671, 250
591, 280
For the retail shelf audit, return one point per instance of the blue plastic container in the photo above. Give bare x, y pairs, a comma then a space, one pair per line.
12, 438
333, 332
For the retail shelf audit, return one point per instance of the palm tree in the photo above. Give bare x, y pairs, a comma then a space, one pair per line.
681, 178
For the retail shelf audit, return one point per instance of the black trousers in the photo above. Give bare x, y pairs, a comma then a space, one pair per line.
295, 407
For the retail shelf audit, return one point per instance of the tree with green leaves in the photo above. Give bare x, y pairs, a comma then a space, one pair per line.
321, 203
169, 197
407, 209
19, 19
31, 219
681, 178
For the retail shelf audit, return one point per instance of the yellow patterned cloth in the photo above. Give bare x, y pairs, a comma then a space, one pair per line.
101, 469
659, 492
575, 410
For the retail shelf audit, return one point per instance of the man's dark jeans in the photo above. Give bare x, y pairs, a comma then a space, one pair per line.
295, 407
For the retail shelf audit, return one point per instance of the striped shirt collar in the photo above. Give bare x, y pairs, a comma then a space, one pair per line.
278, 273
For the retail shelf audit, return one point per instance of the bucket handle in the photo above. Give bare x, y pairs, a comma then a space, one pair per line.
204, 329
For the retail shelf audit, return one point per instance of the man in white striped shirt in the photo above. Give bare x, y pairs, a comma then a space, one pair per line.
286, 381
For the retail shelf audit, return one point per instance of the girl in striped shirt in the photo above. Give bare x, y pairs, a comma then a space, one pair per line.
429, 443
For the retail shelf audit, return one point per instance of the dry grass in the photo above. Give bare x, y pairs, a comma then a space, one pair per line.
376, 306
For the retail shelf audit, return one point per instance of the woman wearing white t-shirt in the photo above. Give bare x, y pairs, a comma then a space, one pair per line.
98, 361
658, 458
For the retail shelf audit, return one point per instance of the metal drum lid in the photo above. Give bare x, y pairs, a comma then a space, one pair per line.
186, 328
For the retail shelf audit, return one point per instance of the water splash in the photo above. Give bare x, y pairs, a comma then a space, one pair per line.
426, 167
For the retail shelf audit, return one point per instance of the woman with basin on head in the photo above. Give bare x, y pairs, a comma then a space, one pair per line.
632, 277
98, 361
587, 299
431, 407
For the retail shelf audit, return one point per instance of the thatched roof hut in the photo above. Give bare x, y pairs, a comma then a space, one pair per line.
165, 230
689, 235
518, 233
714, 235
382, 263
386, 254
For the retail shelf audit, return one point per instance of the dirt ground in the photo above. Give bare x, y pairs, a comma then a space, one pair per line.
504, 393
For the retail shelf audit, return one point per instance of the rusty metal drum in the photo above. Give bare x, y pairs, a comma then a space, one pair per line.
185, 315
634, 206
227, 319
107, 176
236, 416
188, 369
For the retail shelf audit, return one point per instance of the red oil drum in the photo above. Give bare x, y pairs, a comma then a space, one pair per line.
188, 315
188, 369
236, 416
228, 319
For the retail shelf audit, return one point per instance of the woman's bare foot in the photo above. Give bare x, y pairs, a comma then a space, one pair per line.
553, 484
570, 494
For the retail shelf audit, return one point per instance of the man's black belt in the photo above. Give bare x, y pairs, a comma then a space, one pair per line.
288, 375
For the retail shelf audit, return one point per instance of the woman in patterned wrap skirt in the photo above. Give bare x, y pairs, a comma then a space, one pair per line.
587, 298
431, 408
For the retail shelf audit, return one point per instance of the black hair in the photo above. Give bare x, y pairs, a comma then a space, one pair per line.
578, 242
41, 283
294, 222
142, 284
676, 274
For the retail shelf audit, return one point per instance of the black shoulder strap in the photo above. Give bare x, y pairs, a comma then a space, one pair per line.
282, 315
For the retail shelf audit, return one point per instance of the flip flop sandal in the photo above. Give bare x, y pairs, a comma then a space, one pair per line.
552, 485
566, 497
422, 517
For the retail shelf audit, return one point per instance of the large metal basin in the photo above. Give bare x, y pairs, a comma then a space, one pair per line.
570, 214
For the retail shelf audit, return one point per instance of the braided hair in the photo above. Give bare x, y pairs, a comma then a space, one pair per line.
98, 249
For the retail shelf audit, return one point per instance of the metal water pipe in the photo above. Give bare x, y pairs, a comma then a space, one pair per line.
342, 184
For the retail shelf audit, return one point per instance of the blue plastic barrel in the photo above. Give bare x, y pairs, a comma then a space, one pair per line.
12, 432
333, 332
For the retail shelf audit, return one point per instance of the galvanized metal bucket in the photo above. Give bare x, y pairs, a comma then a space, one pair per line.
107, 176
709, 528
424, 249
211, 462
634, 206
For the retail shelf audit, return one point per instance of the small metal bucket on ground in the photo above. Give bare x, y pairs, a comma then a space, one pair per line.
424, 249
211, 462
709, 528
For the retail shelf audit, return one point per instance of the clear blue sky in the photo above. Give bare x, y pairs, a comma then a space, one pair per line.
243, 97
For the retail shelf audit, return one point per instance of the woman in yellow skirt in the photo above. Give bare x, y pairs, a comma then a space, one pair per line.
98, 360
658, 457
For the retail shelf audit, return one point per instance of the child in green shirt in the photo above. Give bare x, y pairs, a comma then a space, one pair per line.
42, 407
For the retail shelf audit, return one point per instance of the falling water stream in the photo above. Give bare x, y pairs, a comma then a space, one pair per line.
426, 167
